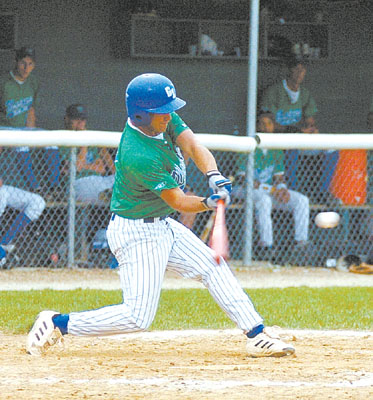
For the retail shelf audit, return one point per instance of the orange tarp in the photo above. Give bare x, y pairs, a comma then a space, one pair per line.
350, 178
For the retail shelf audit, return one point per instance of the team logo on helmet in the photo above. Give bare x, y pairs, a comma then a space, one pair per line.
171, 92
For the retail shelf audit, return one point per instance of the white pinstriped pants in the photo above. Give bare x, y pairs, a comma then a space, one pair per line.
144, 251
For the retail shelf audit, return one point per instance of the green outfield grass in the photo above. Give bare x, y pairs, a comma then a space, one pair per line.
300, 307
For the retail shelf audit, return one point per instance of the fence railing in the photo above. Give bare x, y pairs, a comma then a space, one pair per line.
326, 171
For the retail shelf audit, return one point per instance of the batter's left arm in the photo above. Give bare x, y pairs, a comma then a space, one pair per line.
204, 161
201, 156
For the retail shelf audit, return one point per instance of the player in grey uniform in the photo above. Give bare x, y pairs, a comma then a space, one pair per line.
149, 181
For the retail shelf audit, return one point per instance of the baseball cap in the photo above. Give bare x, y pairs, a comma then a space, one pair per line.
293, 60
25, 52
76, 111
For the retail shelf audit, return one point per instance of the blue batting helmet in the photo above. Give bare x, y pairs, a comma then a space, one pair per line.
150, 93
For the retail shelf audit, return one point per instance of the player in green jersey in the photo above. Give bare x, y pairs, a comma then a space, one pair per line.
271, 192
19, 98
294, 110
149, 181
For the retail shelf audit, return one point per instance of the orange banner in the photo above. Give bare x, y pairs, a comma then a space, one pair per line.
350, 178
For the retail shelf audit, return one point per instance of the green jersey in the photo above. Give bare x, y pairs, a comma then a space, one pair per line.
266, 164
277, 101
93, 153
144, 167
16, 98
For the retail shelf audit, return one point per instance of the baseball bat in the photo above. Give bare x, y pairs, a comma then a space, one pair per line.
208, 227
219, 234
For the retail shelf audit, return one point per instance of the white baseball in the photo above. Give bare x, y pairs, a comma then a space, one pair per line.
328, 219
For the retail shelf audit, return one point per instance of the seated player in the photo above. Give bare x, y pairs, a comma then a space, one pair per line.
95, 167
29, 204
270, 192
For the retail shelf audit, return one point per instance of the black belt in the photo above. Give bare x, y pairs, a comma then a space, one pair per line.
147, 220
150, 220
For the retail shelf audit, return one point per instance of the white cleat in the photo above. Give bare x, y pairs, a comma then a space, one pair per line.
43, 334
268, 344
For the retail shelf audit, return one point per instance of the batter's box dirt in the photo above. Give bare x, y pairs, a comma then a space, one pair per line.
189, 365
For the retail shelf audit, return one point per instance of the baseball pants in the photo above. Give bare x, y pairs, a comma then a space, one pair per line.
89, 188
144, 251
298, 205
30, 203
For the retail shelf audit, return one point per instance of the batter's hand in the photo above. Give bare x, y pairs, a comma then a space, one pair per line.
212, 201
218, 182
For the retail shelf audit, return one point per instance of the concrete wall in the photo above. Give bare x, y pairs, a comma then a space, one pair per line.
74, 64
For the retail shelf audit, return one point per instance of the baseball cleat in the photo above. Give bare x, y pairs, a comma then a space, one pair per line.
43, 334
268, 344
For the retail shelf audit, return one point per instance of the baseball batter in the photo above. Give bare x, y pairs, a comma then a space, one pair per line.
149, 181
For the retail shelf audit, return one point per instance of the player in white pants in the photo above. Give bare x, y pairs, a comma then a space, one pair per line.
297, 204
29, 204
89, 188
149, 182
270, 190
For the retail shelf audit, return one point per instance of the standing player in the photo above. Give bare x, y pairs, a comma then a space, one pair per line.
294, 110
149, 181
19, 98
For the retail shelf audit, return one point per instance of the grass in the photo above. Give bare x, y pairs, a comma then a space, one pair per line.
300, 307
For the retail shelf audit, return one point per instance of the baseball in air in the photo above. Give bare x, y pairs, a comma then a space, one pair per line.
327, 219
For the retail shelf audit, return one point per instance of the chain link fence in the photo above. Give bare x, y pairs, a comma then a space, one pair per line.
59, 230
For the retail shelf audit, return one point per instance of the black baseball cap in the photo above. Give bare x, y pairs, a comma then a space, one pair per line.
293, 60
76, 111
25, 52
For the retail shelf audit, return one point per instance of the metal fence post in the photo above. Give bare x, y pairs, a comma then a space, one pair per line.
251, 126
71, 210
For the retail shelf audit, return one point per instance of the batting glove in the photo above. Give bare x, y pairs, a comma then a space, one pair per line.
212, 201
218, 182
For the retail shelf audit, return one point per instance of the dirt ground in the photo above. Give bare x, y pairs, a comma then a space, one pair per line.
186, 364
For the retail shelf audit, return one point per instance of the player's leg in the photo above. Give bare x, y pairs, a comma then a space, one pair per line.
89, 188
142, 250
298, 205
263, 209
291, 168
26, 168
29, 204
53, 163
329, 163
191, 258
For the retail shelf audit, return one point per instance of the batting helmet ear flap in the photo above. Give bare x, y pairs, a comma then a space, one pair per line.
141, 119
150, 93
